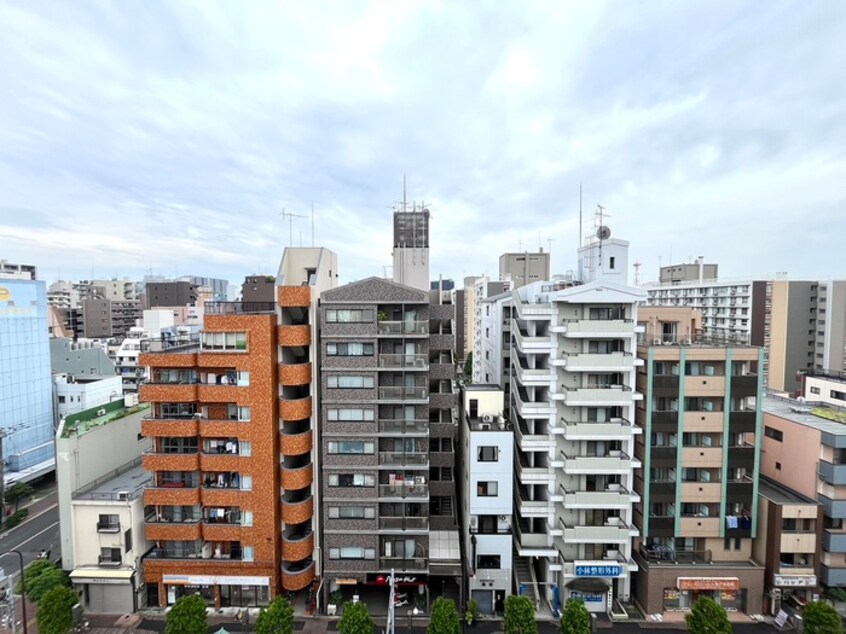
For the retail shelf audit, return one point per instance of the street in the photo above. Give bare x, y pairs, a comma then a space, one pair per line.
40, 531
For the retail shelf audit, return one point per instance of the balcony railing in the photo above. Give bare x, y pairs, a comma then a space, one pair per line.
419, 361
404, 490
403, 393
667, 555
165, 519
108, 527
403, 563
403, 458
403, 426
103, 560
404, 523
402, 327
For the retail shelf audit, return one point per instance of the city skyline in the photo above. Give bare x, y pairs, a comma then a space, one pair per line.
175, 147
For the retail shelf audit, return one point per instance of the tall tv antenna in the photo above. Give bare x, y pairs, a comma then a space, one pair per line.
287, 215
636, 266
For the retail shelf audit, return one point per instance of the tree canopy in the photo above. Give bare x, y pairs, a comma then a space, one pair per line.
277, 618
821, 618
355, 619
575, 619
519, 616
187, 616
706, 617
444, 619
55, 611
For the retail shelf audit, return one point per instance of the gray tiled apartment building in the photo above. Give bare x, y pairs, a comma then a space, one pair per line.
387, 438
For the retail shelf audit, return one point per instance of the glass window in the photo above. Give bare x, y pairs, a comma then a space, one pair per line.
351, 480
488, 454
349, 349
487, 489
350, 381
350, 447
349, 315
352, 512
350, 415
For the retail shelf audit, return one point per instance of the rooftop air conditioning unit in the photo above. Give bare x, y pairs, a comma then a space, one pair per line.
123, 496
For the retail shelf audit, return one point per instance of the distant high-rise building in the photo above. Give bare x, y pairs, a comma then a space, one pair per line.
524, 268
180, 293
692, 272
106, 318
258, 289
26, 393
411, 247
12, 271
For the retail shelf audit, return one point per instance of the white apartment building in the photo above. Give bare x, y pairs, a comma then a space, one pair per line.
483, 287
572, 400
495, 340
75, 393
108, 541
487, 458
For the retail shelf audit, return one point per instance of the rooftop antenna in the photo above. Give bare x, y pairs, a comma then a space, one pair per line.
404, 200
290, 217
637, 273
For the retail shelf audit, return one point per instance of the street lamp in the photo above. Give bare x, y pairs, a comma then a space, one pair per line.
23, 589
412, 613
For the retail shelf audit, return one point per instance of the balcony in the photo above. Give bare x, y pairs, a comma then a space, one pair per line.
612, 532
598, 395
533, 376
403, 458
403, 563
532, 475
404, 523
296, 576
665, 555
605, 328
297, 546
297, 512
525, 310
529, 409
613, 429
170, 461
406, 327
532, 442
401, 393
404, 361
596, 362
407, 490
107, 562
296, 444
527, 343
403, 426
832, 472
613, 497
834, 540
531, 544
614, 461
108, 527
530, 508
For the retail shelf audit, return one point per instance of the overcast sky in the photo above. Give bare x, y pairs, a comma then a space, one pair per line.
169, 136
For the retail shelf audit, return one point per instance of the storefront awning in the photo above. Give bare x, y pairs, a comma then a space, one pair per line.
101, 575
588, 584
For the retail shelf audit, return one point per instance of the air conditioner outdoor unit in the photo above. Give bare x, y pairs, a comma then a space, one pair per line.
503, 518
487, 418
123, 496
101, 411
474, 521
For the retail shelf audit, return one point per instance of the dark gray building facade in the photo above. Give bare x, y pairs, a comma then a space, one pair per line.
179, 293
387, 435
106, 318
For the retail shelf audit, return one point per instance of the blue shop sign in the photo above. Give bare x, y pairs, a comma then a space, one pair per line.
599, 571
587, 597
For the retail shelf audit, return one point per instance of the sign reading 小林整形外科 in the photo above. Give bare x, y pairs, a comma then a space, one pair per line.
598, 570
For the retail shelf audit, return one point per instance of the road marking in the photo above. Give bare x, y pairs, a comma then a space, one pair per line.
12, 530
38, 534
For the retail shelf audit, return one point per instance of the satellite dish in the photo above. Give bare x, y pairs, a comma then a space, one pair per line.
603, 233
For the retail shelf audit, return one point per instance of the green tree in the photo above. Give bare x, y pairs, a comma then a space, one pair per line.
520, 616
17, 492
706, 617
468, 367
187, 616
41, 576
277, 618
355, 619
55, 611
575, 619
821, 618
444, 619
